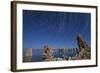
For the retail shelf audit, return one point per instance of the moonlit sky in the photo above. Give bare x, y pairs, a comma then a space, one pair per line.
56, 29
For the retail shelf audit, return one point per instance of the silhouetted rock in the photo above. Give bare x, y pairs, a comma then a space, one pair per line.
81, 42
84, 49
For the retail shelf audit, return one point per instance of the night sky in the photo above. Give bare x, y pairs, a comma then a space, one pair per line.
56, 29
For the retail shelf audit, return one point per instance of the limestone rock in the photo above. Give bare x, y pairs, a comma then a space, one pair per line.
84, 49
47, 54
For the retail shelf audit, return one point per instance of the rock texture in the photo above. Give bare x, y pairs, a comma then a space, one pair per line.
84, 51
47, 54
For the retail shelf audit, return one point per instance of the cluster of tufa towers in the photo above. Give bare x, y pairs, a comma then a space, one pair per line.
83, 52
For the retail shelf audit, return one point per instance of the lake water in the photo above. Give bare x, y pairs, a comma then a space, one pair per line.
37, 54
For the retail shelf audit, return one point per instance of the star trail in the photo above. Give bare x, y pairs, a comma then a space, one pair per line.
57, 29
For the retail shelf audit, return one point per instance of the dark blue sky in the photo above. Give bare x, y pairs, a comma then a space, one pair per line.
56, 29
